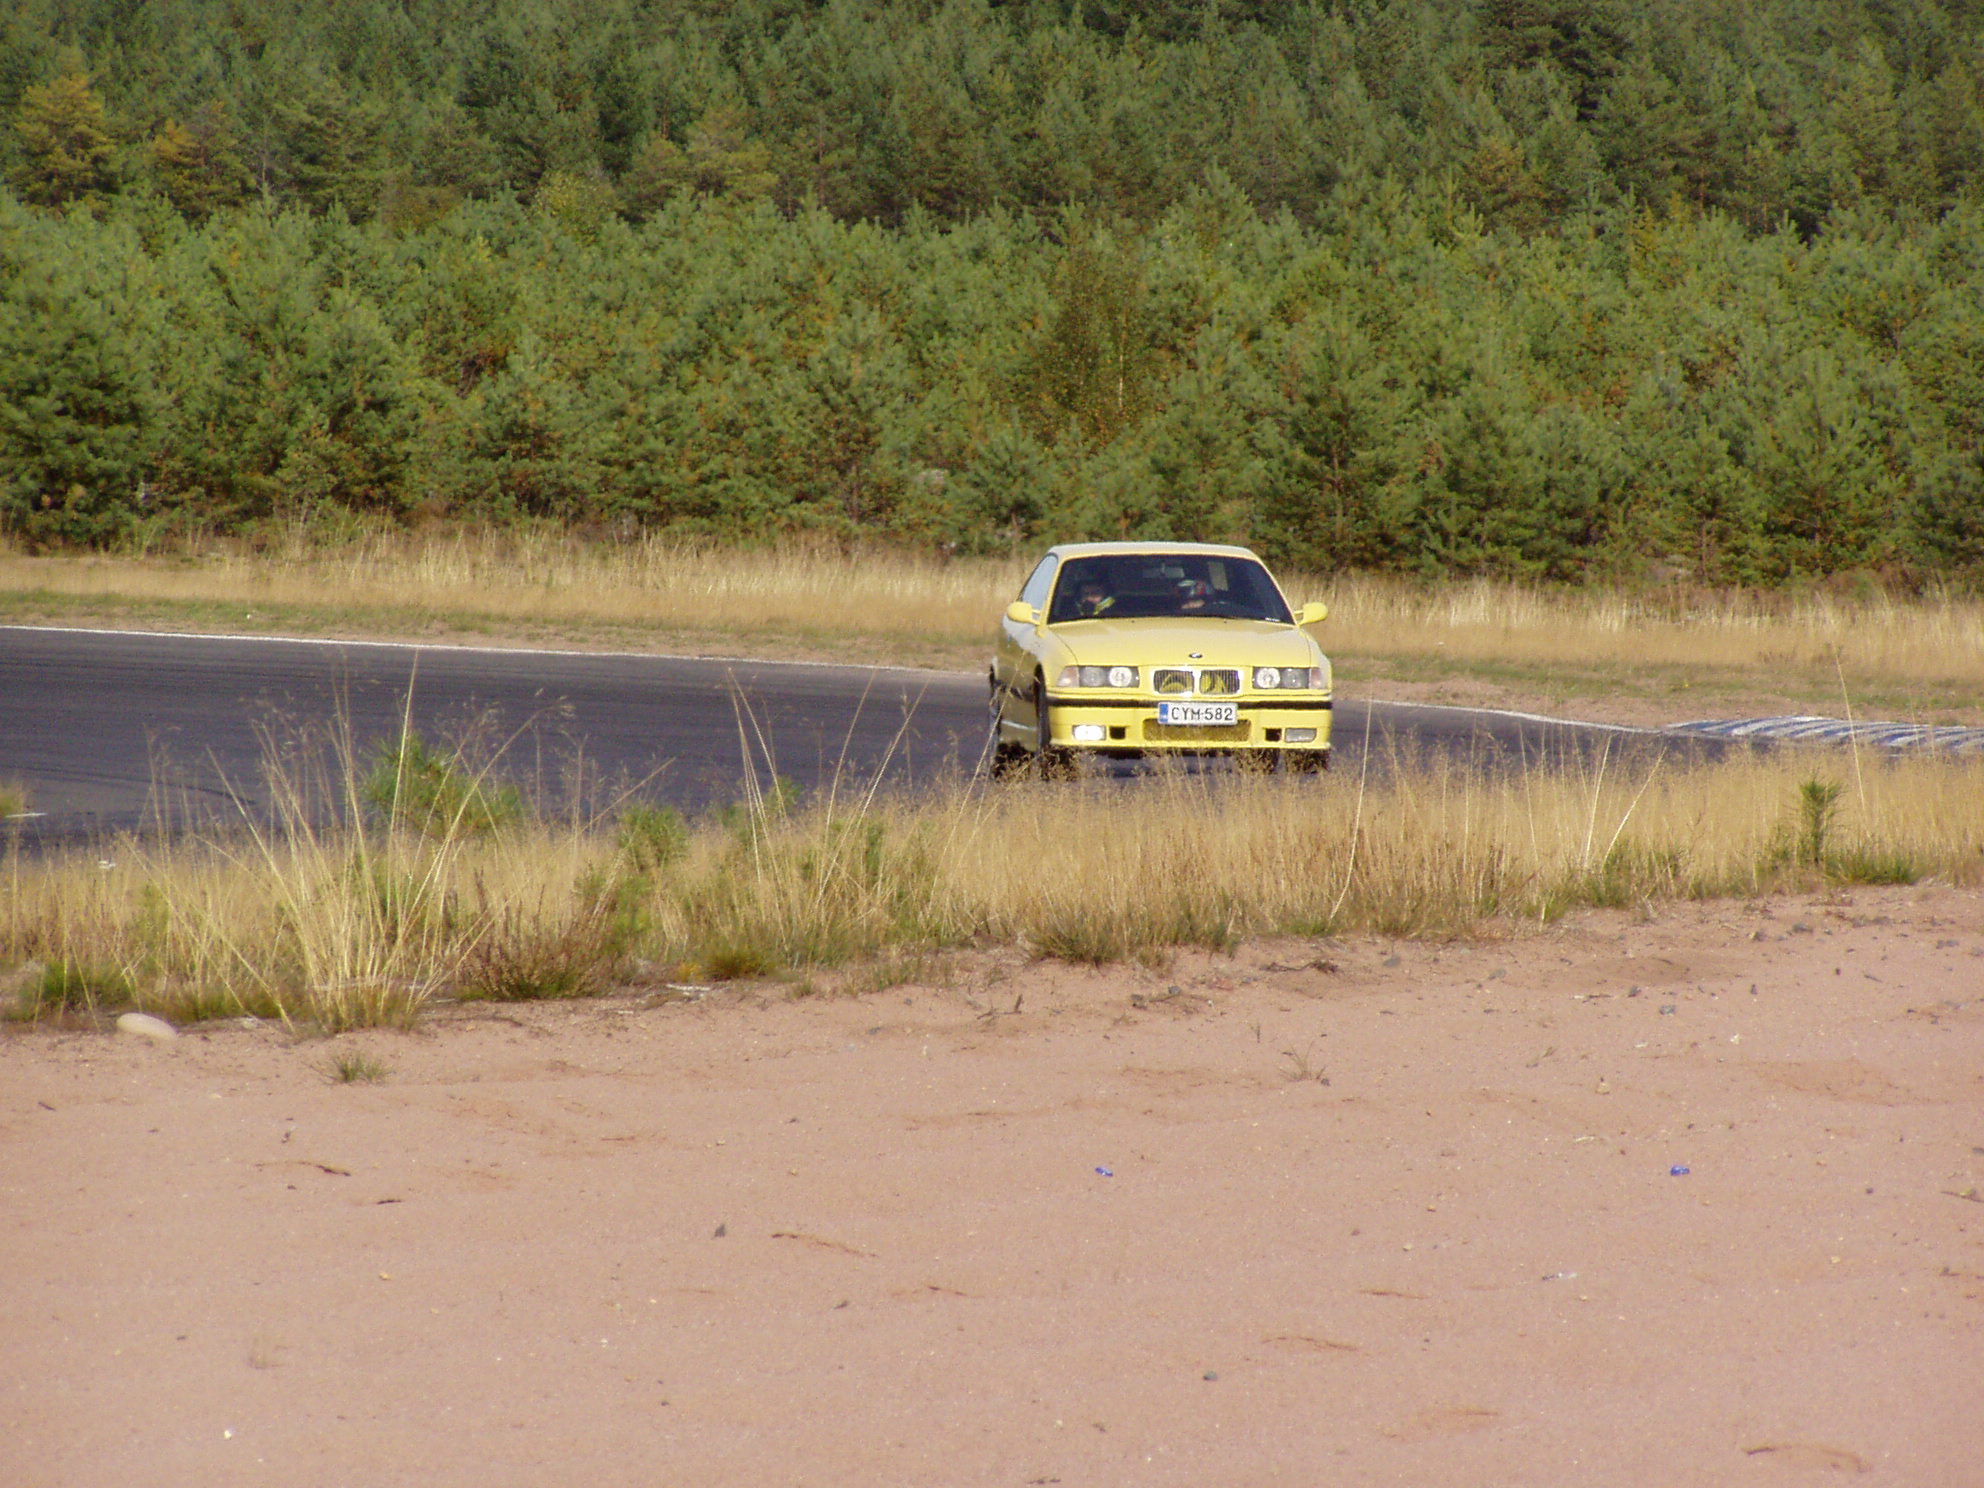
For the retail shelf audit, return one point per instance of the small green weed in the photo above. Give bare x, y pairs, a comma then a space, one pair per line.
436, 791
354, 1067
652, 837
736, 957
749, 819
1081, 933
1631, 874
1300, 1065
1872, 865
70, 985
1818, 810
533, 955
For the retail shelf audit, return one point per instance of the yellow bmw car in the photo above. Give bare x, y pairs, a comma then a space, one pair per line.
1136, 649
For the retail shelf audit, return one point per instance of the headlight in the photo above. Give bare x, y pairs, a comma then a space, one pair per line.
1282, 679
1097, 676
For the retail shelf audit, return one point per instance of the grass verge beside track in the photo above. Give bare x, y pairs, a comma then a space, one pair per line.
450, 891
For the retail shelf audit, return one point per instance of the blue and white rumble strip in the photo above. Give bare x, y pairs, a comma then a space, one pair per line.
1808, 730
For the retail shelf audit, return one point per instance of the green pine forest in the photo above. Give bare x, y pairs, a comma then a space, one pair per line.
1554, 290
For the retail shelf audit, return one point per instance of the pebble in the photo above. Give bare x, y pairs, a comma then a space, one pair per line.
146, 1026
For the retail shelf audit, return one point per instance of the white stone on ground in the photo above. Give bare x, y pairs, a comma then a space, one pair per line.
146, 1026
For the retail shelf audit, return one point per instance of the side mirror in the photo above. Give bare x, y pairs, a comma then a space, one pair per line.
1313, 613
1022, 613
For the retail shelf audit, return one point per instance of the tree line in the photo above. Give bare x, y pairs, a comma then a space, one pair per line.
1514, 287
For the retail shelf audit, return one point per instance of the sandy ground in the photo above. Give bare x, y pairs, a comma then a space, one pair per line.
1692, 1201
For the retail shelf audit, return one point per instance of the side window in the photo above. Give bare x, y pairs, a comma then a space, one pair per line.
1034, 591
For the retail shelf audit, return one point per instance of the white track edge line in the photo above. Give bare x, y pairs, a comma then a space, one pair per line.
1579, 723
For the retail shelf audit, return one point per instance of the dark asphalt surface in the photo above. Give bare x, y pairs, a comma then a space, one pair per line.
103, 727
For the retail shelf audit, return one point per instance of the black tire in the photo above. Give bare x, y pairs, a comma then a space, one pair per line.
1305, 761
1002, 760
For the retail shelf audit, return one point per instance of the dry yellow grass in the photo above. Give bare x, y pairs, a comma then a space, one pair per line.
340, 927
534, 580
1925, 654
1936, 640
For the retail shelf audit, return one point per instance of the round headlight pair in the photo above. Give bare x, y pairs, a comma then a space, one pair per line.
1098, 676
1281, 679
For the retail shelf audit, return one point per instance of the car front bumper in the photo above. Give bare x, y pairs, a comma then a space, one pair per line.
1130, 724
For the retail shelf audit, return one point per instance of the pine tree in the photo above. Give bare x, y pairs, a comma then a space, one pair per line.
64, 144
330, 148
1864, 121
722, 160
1582, 38
1093, 360
199, 163
79, 402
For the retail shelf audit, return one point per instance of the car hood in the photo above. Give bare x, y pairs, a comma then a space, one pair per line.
1169, 641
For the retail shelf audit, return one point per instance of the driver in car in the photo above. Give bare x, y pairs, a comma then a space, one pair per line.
1093, 600
1193, 594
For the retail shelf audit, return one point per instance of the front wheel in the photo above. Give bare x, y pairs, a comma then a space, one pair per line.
1002, 760
1053, 762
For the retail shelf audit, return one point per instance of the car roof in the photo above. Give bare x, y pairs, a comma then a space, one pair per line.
1152, 549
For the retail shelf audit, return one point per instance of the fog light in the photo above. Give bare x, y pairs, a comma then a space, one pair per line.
1091, 733
1299, 736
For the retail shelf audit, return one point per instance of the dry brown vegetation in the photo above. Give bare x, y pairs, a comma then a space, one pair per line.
1917, 656
436, 894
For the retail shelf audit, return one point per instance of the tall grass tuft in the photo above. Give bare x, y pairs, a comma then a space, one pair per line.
340, 906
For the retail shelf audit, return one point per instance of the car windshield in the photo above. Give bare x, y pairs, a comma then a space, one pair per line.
1142, 586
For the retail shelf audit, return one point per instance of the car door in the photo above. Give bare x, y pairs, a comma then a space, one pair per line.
1013, 658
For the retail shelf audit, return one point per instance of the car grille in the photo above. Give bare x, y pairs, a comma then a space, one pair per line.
1206, 681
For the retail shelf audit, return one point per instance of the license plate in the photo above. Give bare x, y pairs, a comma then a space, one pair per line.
1198, 713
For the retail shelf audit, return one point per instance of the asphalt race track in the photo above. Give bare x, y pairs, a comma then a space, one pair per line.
103, 726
